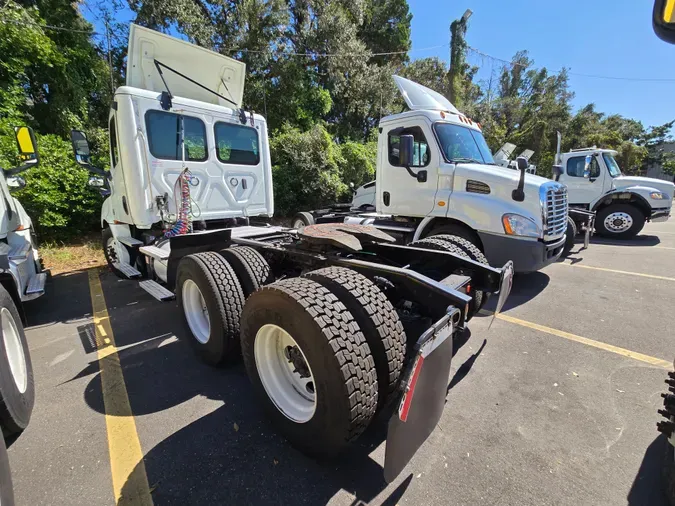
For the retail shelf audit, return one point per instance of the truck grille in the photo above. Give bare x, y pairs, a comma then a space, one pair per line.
556, 212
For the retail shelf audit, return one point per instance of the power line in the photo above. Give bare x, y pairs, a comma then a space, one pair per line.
388, 53
594, 76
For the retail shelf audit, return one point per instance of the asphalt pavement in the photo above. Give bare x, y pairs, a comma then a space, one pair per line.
555, 404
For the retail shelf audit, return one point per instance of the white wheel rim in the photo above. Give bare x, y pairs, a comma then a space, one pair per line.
298, 224
292, 394
618, 222
14, 350
196, 312
117, 251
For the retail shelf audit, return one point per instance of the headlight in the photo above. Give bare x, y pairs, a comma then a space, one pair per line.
658, 196
515, 224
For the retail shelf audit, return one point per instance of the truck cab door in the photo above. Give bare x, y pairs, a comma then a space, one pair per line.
120, 205
582, 190
398, 192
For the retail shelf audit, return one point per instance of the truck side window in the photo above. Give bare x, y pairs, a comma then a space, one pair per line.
575, 166
164, 136
236, 144
420, 151
112, 131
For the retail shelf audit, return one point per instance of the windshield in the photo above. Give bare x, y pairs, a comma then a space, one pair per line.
612, 166
462, 144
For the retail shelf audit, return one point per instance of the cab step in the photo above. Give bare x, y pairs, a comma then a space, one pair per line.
36, 284
130, 241
20, 251
128, 270
154, 252
156, 290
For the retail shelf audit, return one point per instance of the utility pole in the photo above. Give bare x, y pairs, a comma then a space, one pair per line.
112, 79
457, 53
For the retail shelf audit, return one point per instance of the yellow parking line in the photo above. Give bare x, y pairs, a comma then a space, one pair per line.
126, 456
617, 271
584, 340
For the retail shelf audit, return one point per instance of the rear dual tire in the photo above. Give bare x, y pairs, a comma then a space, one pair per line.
296, 333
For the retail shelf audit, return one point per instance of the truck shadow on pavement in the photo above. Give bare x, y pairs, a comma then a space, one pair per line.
639, 240
226, 451
525, 288
66, 300
649, 486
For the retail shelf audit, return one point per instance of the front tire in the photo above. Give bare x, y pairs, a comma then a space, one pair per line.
116, 252
461, 247
17, 387
309, 364
570, 236
302, 219
619, 221
212, 300
6, 488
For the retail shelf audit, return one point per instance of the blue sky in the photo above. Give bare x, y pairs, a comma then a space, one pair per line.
599, 37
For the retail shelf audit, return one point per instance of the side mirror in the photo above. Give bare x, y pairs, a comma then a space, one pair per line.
557, 172
522, 163
96, 182
406, 147
663, 20
587, 166
80, 147
16, 182
519, 193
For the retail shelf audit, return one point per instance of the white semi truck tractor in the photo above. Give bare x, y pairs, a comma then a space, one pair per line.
623, 204
21, 279
436, 177
316, 313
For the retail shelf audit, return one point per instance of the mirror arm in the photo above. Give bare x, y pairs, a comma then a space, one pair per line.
519, 194
17, 170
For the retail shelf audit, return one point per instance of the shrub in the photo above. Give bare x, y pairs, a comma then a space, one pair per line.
306, 170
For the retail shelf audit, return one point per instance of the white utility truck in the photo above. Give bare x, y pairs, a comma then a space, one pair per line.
436, 177
503, 158
21, 279
623, 204
317, 313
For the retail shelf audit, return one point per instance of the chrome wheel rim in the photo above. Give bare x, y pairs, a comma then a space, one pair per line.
298, 224
285, 373
14, 350
618, 222
196, 312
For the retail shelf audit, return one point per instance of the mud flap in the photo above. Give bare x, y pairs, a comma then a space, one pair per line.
426, 387
423, 401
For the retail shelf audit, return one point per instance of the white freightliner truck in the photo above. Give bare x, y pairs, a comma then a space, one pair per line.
324, 345
436, 177
21, 279
623, 204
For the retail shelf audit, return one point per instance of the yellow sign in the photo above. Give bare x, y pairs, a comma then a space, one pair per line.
25, 140
669, 11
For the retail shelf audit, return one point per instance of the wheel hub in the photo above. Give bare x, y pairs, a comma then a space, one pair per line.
285, 373
196, 312
618, 222
14, 350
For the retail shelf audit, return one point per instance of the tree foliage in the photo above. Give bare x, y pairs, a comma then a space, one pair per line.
315, 69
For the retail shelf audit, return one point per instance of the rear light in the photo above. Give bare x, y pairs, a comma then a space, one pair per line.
410, 390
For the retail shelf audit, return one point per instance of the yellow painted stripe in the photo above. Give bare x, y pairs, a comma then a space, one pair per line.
640, 274
584, 340
669, 12
126, 456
